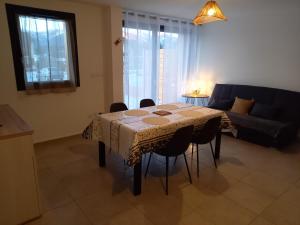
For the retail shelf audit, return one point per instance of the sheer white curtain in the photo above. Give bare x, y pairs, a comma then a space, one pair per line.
140, 50
181, 46
160, 54
46, 51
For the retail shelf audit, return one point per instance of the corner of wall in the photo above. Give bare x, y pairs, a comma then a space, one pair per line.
114, 58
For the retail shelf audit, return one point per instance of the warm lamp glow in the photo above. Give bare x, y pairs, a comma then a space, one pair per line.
210, 12
204, 87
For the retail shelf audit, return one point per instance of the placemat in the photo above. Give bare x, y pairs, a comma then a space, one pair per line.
190, 113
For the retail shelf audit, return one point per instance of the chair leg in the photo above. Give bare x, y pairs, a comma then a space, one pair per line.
213, 154
197, 161
192, 149
147, 168
167, 175
187, 167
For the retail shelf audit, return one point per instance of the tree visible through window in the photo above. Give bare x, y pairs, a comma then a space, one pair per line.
44, 48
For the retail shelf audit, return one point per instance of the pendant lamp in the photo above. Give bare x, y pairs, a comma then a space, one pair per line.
210, 12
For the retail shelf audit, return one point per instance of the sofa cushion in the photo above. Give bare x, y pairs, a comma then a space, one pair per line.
242, 106
259, 94
264, 111
285, 101
269, 127
221, 91
221, 104
288, 102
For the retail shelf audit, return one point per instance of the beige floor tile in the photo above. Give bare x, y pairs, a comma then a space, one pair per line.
249, 197
69, 214
75, 169
161, 209
194, 219
52, 191
261, 221
195, 196
285, 210
237, 171
270, 184
253, 159
232, 194
211, 177
58, 158
287, 167
205, 155
89, 183
164, 213
54, 146
101, 207
298, 184
223, 211
129, 217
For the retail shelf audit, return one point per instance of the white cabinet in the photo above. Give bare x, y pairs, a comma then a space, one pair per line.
19, 193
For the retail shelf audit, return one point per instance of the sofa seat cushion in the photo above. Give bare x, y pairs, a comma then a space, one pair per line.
221, 104
265, 126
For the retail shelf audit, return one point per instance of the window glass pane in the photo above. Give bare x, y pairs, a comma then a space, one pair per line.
138, 63
167, 53
44, 46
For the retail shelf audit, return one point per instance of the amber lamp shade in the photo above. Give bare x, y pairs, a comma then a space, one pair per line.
210, 12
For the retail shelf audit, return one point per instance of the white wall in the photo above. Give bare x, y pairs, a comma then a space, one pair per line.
258, 45
59, 115
114, 58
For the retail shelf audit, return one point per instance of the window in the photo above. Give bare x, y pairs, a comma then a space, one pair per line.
167, 49
44, 48
160, 55
138, 65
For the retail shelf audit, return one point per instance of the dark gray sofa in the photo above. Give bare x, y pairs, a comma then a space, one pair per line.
278, 130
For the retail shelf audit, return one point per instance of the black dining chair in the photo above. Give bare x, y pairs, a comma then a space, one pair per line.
146, 103
177, 145
118, 106
205, 135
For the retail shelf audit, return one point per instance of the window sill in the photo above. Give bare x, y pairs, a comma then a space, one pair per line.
50, 87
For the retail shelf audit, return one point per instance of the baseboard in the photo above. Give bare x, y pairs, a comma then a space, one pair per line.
57, 138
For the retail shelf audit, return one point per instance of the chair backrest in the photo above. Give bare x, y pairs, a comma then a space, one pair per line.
118, 106
180, 141
146, 103
208, 132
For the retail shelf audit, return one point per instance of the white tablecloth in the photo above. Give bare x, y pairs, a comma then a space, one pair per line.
130, 136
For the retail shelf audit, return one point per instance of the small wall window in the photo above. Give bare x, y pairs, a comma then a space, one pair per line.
44, 48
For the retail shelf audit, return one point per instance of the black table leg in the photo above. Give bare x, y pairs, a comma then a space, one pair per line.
101, 154
218, 144
137, 178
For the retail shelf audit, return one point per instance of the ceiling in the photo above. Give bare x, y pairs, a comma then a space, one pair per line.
176, 8
187, 9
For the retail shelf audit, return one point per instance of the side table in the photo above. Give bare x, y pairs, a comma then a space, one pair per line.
192, 97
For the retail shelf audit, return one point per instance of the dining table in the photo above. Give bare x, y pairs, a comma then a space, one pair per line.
135, 132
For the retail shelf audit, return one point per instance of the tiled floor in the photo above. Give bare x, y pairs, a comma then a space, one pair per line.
252, 185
